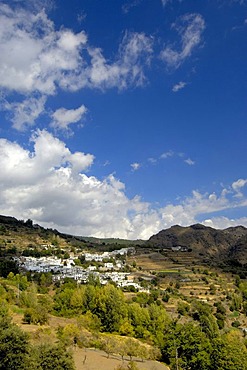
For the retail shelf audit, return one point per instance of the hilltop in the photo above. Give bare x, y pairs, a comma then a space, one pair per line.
206, 243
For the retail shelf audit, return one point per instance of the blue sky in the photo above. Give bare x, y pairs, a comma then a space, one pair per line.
120, 118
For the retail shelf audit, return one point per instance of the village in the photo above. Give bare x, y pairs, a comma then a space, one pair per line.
106, 266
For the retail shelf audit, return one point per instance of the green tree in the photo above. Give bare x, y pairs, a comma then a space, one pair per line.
132, 348
14, 347
53, 357
28, 298
111, 308
139, 318
202, 313
236, 302
77, 300
109, 345
183, 308
186, 347
36, 315
69, 334
62, 301
159, 321
142, 298
126, 328
46, 301
122, 347
7, 266
89, 321
229, 352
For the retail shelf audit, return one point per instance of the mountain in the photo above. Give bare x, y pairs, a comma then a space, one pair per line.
221, 245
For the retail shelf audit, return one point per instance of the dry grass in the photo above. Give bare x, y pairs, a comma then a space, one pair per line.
85, 359
97, 360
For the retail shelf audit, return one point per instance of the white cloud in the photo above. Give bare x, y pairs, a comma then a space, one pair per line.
189, 161
152, 160
49, 184
166, 155
60, 59
62, 118
190, 28
224, 222
238, 185
50, 56
134, 52
25, 113
135, 166
179, 86
19, 166
37, 5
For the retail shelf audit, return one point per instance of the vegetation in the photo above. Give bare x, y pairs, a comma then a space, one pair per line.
193, 317
16, 352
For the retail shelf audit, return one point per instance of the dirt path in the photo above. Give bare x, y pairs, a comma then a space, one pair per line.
97, 360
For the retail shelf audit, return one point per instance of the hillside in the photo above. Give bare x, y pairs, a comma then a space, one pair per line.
176, 297
19, 235
202, 241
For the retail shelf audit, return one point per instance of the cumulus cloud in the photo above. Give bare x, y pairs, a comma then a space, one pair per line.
50, 56
190, 27
62, 118
179, 86
60, 59
20, 166
50, 185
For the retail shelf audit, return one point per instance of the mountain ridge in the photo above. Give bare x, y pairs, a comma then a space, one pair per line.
222, 244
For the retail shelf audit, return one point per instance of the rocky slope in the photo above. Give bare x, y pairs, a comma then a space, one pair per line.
201, 240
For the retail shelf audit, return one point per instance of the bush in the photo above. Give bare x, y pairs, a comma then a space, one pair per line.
236, 324
37, 315
183, 308
220, 323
